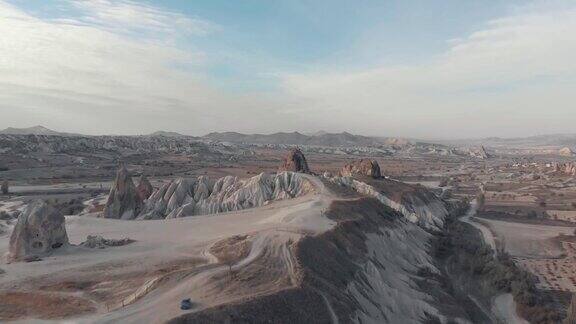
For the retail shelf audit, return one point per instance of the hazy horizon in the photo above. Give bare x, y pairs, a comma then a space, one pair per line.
436, 70
308, 133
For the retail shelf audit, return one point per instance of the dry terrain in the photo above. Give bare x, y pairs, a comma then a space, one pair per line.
525, 207
173, 259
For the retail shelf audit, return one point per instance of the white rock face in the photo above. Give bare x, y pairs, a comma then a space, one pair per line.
387, 293
428, 212
39, 230
188, 197
386, 289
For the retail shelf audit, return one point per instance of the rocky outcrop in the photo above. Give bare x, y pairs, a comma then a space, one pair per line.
201, 196
566, 168
416, 203
24, 144
144, 188
373, 267
566, 151
570, 169
295, 162
40, 229
98, 242
363, 167
124, 202
479, 153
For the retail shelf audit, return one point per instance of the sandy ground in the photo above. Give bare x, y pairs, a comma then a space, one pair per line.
537, 249
558, 274
528, 240
171, 258
567, 215
61, 186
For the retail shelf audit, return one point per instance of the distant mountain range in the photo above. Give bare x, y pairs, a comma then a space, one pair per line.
35, 130
168, 134
344, 139
41, 130
295, 138
15, 139
320, 138
539, 141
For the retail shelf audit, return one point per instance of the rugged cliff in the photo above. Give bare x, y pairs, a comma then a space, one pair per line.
416, 203
25, 144
201, 196
374, 266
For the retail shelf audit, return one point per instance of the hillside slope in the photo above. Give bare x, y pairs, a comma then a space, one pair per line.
369, 268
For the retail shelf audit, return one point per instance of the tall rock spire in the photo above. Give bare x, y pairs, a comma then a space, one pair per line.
295, 162
124, 202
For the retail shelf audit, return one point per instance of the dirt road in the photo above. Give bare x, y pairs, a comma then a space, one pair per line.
271, 231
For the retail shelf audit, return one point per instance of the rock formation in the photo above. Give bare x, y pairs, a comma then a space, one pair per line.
566, 168
295, 162
24, 144
570, 169
418, 204
39, 230
144, 188
124, 202
364, 167
566, 152
4, 188
98, 242
188, 197
479, 153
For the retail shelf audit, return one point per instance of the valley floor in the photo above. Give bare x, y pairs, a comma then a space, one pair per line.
173, 259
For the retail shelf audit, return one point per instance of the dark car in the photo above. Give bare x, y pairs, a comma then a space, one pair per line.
186, 304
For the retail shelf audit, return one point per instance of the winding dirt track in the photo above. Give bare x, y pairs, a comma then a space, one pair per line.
503, 305
486, 232
171, 260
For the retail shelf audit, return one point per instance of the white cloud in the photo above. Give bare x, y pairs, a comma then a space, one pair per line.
120, 67
89, 76
122, 15
515, 75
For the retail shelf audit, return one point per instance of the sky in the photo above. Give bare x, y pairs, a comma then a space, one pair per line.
408, 68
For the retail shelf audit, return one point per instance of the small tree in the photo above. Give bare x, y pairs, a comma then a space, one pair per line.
480, 200
443, 183
4, 188
229, 259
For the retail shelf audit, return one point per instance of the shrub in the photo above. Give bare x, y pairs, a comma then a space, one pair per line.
462, 249
542, 204
4, 187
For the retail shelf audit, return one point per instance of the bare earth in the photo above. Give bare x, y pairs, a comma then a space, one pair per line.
171, 260
528, 240
539, 250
